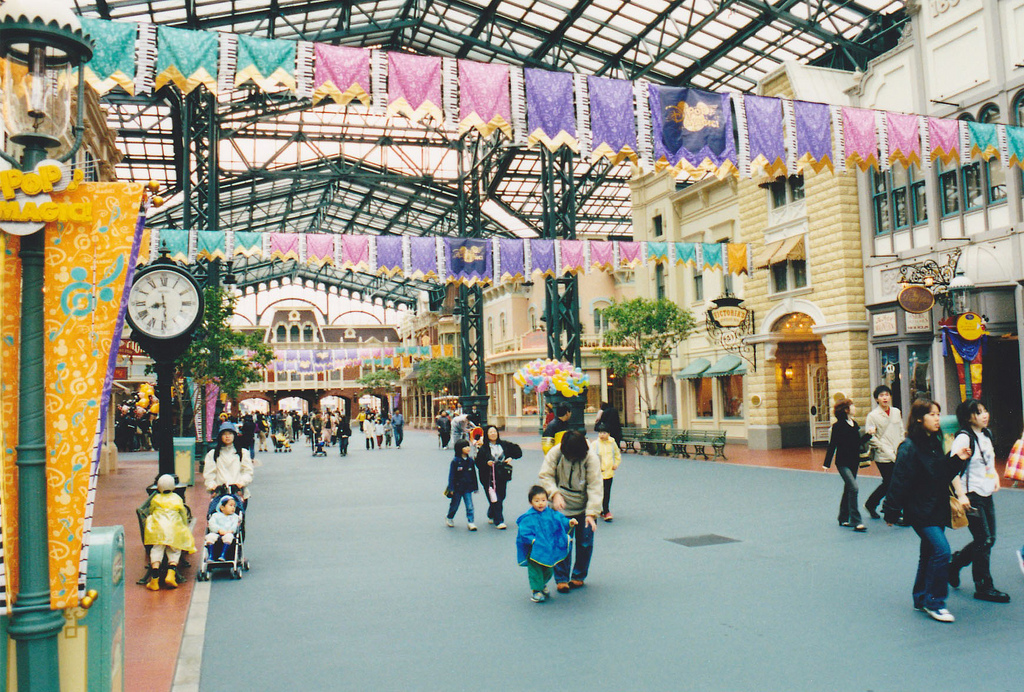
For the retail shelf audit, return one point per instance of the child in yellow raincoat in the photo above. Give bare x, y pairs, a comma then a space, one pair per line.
167, 531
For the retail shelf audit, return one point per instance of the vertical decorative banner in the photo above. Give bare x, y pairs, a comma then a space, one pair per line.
211, 245
542, 257
602, 255
284, 246
484, 101
692, 131
87, 267
738, 258
860, 138
813, 135
10, 326
355, 252
630, 254
186, 59
573, 256
612, 123
468, 260
765, 135
422, 258
549, 109
248, 244
320, 248
389, 255
904, 139
176, 242
712, 253
513, 259
113, 58
984, 140
686, 254
414, 86
1015, 146
269, 63
944, 138
341, 74
657, 253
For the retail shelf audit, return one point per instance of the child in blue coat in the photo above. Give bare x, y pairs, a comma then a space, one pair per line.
543, 541
461, 483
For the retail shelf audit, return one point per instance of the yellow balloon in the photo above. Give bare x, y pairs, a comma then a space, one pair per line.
146, 388
155, 408
143, 401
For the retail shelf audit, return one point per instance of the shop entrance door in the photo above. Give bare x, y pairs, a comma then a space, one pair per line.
817, 380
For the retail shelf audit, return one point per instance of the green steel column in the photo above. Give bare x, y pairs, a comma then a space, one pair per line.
34, 627
561, 306
471, 300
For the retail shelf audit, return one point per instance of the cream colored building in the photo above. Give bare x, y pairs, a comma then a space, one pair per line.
704, 212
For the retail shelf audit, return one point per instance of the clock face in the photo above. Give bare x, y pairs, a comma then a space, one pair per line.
163, 304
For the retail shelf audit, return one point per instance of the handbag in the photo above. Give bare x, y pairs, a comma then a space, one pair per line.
448, 492
1015, 462
503, 471
957, 513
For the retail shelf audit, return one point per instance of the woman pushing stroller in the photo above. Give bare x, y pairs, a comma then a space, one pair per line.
226, 465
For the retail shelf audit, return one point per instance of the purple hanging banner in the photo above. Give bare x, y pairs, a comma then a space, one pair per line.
414, 86
813, 135
612, 123
212, 424
550, 114
468, 260
692, 131
764, 134
422, 258
542, 255
484, 101
512, 259
389, 255
341, 73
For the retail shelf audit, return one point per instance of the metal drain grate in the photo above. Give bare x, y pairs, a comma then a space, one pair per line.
702, 540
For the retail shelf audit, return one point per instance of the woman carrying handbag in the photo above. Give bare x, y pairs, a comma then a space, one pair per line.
492, 463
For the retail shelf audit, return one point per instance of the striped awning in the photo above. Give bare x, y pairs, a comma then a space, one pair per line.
780, 251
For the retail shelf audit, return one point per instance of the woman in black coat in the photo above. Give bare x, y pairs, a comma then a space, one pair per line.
844, 445
919, 488
609, 415
493, 465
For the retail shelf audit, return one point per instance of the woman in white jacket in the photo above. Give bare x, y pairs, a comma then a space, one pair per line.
228, 464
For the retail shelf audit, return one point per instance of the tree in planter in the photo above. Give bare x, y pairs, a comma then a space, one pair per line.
650, 330
378, 381
220, 355
437, 374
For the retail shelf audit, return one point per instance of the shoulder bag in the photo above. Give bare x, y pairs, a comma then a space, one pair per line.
957, 512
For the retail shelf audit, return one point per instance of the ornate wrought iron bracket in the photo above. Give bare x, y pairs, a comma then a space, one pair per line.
728, 323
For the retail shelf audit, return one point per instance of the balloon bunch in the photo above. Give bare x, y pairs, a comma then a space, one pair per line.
146, 401
551, 375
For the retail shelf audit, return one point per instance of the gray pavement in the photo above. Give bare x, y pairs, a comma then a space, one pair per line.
356, 584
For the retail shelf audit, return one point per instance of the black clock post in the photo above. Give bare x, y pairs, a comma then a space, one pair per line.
165, 309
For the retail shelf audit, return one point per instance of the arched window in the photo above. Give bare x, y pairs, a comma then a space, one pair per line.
294, 334
307, 333
989, 113
1018, 109
533, 319
490, 331
501, 325
282, 333
600, 321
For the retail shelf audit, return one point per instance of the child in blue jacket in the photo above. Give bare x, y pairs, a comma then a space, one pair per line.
461, 483
543, 541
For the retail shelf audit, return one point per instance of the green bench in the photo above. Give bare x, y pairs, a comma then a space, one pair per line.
667, 441
699, 441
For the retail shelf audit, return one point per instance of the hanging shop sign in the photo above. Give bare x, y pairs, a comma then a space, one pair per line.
25, 202
916, 299
728, 322
970, 326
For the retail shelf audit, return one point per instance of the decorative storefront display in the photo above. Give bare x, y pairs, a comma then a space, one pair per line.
963, 337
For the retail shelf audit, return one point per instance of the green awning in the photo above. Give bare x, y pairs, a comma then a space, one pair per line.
727, 365
696, 368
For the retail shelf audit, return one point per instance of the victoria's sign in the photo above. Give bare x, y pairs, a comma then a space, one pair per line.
916, 299
25, 202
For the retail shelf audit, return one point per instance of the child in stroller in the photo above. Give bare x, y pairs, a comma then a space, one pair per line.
281, 443
320, 441
225, 534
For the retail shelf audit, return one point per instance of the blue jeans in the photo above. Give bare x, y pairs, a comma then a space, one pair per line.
932, 583
848, 510
454, 507
583, 537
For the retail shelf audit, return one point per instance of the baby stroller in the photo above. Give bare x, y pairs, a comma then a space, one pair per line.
318, 447
281, 443
218, 555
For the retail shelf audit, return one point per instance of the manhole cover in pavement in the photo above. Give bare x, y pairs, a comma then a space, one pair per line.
702, 540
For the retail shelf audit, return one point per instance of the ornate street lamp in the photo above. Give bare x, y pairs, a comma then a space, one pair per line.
960, 288
41, 43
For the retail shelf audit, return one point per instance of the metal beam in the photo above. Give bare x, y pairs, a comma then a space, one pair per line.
556, 34
482, 21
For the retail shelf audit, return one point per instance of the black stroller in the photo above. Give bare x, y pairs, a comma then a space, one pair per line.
221, 555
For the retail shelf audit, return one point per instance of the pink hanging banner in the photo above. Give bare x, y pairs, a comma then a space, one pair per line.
414, 86
860, 138
904, 139
630, 254
573, 257
944, 138
284, 246
212, 424
602, 255
355, 252
484, 101
320, 248
341, 73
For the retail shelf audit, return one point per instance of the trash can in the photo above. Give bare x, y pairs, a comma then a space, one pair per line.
184, 460
661, 420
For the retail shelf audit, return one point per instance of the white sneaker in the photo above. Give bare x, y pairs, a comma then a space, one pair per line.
538, 597
502, 526
942, 615
449, 522
471, 527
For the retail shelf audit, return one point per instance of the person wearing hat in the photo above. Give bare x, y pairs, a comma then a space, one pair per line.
228, 463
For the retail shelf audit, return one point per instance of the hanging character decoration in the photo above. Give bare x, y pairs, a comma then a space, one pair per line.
964, 336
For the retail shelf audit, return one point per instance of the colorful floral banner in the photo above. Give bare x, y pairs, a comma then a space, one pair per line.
389, 255
113, 56
860, 138
984, 140
944, 138
177, 243
284, 246
355, 252
248, 244
512, 260
484, 101
712, 253
550, 114
631, 254
422, 257
211, 245
657, 253
573, 256
738, 258
269, 63
686, 254
414, 86
612, 123
813, 135
186, 59
602, 255
320, 248
764, 134
341, 74
542, 257
904, 139
692, 131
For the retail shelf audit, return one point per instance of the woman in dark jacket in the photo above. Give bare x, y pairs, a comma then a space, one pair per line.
844, 445
609, 416
920, 489
494, 452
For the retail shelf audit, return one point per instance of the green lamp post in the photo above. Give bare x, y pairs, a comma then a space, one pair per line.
41, 43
